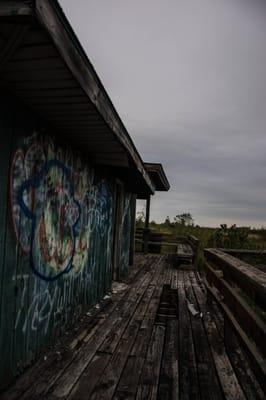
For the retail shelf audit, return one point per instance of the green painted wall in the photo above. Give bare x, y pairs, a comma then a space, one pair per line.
56, 238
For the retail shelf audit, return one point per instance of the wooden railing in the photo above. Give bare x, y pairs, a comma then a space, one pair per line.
150, 241
254, 257
240, 291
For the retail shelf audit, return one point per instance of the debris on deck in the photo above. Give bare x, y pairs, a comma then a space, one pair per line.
192, 309
119, 287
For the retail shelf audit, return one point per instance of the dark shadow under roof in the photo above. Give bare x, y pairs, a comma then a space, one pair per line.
158, 176
43, 64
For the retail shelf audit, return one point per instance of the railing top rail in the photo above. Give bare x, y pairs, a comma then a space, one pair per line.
247, 277
243, 251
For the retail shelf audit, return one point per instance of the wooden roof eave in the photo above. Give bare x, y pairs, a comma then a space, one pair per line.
158, 176
50, 16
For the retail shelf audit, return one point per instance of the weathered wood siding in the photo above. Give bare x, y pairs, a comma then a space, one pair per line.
126, 233
56, 238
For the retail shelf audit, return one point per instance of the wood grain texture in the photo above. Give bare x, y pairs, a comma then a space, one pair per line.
126, 352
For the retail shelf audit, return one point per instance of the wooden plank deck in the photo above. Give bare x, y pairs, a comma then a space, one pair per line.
146, 343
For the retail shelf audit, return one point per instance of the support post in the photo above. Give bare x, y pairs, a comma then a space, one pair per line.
147, 216
147, 220
132, 229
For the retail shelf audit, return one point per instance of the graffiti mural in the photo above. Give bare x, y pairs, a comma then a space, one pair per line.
56, 241
57, 204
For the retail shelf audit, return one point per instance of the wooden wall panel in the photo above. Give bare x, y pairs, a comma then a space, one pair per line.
56, 238
6, 310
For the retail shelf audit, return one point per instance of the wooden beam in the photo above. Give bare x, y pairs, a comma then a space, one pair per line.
15, 8
12, 44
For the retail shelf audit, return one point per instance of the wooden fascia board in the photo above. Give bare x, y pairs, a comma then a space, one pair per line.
162, 178
157, 168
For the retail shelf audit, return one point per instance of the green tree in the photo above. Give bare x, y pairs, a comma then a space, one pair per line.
184, 219
167, 221
140, 219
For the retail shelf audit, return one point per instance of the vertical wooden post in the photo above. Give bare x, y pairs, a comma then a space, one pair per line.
117, 229
132, 229
147, 216
147, 220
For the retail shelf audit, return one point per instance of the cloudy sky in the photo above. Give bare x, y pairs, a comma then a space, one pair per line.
188, 78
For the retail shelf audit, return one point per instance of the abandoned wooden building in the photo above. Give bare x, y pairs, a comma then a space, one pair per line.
70, 176
82, 316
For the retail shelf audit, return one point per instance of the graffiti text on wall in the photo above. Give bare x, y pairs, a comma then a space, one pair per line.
48, 302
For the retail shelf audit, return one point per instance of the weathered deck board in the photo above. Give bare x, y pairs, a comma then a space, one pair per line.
189, 385
230, 385
128, 383
168, 385
205, 366
145, 344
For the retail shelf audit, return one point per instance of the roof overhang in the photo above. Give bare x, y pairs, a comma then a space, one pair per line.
158, 176
44, 65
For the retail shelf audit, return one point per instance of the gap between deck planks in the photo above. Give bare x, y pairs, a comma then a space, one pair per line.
129, 353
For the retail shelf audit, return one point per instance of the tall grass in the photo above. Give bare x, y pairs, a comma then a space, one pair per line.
255, 239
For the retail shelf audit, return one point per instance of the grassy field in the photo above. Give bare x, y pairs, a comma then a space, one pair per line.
224, 237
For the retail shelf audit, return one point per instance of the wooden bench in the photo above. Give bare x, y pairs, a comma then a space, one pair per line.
184, 251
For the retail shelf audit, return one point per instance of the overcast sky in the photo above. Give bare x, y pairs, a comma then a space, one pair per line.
188, 78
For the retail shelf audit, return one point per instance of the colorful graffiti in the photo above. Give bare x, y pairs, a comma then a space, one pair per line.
48, 303
57, 203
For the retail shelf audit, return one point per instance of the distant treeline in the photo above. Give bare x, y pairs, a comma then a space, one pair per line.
224, 237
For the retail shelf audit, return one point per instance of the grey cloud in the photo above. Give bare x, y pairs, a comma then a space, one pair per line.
188, 79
